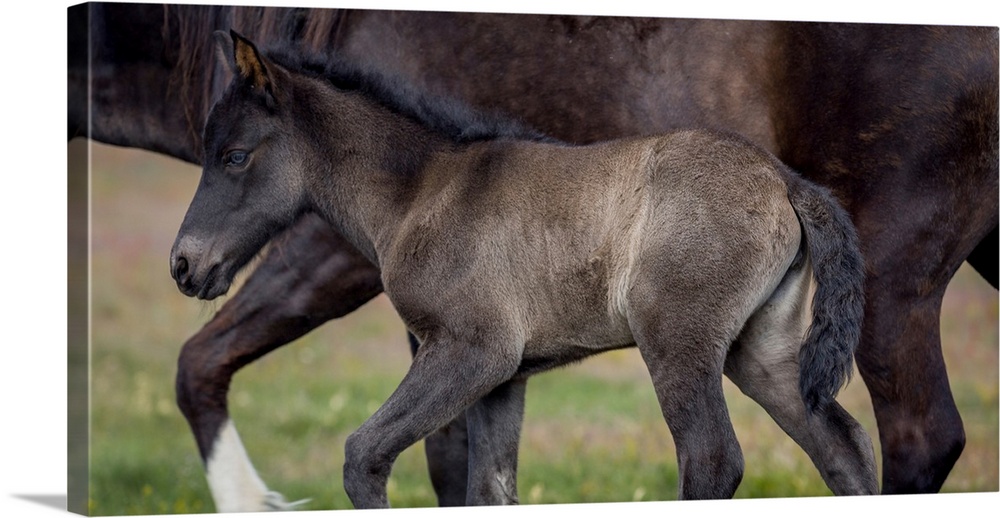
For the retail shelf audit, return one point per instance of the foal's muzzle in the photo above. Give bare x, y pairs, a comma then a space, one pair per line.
196, 274
180, 272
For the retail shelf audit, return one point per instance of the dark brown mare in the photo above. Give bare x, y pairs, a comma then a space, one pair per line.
899, 121
506, 254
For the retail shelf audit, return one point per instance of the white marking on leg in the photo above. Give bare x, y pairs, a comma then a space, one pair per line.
234, 482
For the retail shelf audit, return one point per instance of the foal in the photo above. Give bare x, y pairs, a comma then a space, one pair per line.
507, 254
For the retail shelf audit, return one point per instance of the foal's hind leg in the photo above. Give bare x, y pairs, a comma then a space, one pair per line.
837, 444
684, 354
688, 385
763, 363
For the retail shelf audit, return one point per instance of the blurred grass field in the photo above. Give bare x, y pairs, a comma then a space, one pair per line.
593, 431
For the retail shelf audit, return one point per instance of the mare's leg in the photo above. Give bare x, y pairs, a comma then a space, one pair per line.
900, 360
984, 258
900, 354
494, 431
447, 452
309, 276
764, 364
446, 377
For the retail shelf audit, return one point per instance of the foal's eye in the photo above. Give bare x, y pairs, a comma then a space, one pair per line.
236, 158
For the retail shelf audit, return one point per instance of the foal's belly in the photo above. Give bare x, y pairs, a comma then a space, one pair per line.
541, 361
562, 337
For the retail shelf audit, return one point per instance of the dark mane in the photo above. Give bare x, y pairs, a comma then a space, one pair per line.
444, 115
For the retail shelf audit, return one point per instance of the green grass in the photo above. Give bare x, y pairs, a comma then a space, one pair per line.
593, 431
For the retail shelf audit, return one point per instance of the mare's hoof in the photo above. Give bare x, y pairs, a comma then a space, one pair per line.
275, 501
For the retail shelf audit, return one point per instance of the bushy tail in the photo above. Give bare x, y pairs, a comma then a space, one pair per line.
826, 360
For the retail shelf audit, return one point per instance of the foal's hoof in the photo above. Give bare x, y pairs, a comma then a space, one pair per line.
275, 501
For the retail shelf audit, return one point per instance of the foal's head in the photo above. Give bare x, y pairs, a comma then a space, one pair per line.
251, 184
285, 121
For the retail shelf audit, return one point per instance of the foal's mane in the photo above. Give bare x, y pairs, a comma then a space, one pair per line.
446, 116
186, 31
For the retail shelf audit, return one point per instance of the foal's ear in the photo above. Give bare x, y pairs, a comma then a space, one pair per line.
252, 68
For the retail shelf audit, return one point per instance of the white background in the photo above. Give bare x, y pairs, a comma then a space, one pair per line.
33, 249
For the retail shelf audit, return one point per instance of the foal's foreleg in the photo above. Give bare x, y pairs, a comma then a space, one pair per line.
446, 377
309, 276
447, 453
494, 433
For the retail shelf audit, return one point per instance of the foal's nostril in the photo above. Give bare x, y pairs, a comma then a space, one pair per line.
180, 268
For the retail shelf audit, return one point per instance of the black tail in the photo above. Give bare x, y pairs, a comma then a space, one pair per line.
827, 356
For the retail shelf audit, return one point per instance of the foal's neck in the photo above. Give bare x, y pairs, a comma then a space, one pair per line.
372, 162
